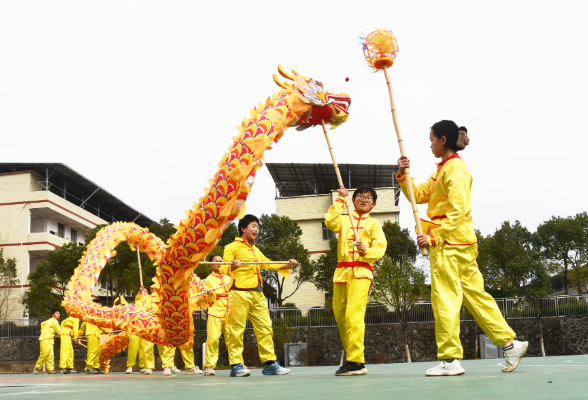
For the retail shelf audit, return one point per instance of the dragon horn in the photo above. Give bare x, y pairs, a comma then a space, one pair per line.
278, 82
284, 73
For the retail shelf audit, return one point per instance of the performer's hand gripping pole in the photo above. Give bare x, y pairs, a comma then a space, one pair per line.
340, 180
415, 211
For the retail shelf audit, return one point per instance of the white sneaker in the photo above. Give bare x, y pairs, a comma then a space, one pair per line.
512, 357
142, 370
209, 371
446, 368
167, 371
148, 371
129, 370
175, 369
193, 371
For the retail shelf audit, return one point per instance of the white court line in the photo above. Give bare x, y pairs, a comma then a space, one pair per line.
538, 365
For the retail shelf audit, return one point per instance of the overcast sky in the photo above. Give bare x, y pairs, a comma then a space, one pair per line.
142, 97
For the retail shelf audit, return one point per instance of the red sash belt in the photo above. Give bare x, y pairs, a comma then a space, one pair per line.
67, 326
218, 296
443, 217
348, 264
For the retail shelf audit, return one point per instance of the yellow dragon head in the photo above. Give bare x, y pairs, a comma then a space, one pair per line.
333, 108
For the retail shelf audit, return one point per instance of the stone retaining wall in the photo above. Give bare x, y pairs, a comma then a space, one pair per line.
383, 343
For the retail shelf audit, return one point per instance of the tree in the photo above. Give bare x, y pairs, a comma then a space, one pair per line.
535, 288
279, 239
400, 247
399, 285
7, 279
48, 282
578, 277
504, 257
564, 241
324, 269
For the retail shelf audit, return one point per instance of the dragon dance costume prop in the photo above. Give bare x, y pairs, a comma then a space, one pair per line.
69, 329
354, 275
453, 245
246, 300
218, 306
49, 329
300, 102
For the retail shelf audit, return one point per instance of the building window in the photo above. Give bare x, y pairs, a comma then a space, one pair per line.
60, 230
74, 235
327, 233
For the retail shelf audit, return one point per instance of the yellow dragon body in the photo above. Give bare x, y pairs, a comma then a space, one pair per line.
301, 103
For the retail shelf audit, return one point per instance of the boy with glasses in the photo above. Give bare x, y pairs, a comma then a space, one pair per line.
354, 274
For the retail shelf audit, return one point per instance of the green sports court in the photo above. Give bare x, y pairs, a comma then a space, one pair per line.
536, 378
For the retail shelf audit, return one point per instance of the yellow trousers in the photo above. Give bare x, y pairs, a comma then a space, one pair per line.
93, 358
188, 357
455, 278
252, 305
214, 328
349, 304
166, 353
66, 353
46, 355
142, 348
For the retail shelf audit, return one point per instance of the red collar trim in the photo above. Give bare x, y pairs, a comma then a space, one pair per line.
241, 240
364, 216
442, 163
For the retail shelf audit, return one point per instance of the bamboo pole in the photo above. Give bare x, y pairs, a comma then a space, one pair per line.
244, 262
356, 236
140, 270
214, 288
141, 279
415, 211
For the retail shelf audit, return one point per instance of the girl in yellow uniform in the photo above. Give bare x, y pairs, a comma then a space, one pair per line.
69, 331
354, 274
218, 303
49, 329
453, 246
247, 300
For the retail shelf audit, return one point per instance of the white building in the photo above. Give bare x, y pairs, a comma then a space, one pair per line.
44, 206
304, 193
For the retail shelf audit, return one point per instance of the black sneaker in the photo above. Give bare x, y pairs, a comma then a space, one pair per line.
342, 369
64, 371
353, 368
99, 371
72, 371
90, 371
51, 372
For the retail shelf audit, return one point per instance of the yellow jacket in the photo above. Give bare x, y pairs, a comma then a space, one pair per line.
49, 329
89, 330
370, 232
448, 192
70, 326
218, 302
246, 276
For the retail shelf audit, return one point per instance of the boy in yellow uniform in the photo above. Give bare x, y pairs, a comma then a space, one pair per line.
137, 345
49, 329
450, 235
92, 333
354, 274
247, 300
69, 331
218, 306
